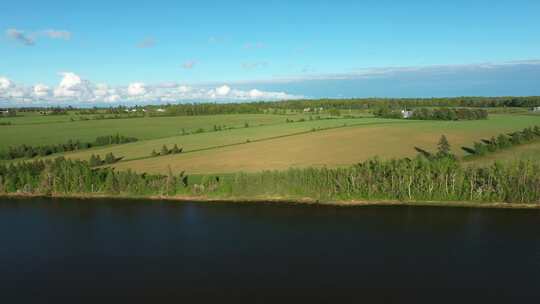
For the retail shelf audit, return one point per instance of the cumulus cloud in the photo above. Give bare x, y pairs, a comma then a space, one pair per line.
223, 90
5, 83
73, 87
75, 90
190, 64
136, 89
20, 36
41, 90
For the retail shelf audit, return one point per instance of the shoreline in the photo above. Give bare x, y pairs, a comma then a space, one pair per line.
280, 200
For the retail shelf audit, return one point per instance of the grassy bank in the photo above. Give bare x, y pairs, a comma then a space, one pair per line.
276, 200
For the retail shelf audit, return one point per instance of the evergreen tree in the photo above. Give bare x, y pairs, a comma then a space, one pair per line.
109, 158
175, 149
94, 161
443, 147
164, 150
110, 182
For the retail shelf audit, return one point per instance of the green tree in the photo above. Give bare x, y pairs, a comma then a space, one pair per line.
110, 182
164, 150
110, 158
175, 149
443, 147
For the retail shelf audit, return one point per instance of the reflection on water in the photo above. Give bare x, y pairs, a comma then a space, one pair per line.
139, 249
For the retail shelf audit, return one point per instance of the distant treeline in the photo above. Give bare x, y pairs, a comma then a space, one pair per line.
504, 141
438, 178
279, 107
72, 145
434, 113
315, 105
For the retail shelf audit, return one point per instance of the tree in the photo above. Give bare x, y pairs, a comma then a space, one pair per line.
164, 150
94, 161
175, 149
110, 182
334, 112
154, 153
109, 158
443, 147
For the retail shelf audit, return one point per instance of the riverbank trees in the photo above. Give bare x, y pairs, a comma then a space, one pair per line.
417, 179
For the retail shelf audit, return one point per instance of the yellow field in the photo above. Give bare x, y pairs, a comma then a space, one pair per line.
336, 147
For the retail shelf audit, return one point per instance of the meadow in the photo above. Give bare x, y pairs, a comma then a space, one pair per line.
255, 142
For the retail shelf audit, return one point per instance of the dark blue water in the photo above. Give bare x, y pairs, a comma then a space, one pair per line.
142, 251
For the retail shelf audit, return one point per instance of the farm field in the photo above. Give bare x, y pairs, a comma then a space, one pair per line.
335, 147
267, 143
58, 129
241, 135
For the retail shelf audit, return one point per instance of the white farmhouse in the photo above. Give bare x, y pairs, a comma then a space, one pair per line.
406, 114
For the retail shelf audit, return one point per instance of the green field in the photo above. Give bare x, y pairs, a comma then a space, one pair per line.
267, 143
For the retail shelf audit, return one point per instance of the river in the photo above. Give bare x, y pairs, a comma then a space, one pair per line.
139, 250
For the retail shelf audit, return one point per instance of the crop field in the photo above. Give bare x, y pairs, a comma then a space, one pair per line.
334, 147
38, 130
255, 142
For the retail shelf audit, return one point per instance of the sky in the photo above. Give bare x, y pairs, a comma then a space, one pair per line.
107, 52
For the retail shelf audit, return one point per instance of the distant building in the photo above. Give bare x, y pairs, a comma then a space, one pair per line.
536, 109
160, 110
307, 110
7, 112
406, 113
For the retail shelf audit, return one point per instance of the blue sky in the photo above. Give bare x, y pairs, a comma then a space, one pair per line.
66, 51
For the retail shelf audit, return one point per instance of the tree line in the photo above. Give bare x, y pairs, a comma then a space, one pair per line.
437, 178
166, 151
26, 151
433, 113
504, 141
281, 107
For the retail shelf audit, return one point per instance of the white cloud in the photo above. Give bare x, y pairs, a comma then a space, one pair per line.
72, 86
41, 90
75, 90
255, 93
223, 90
57, 34
5, 83
136, 89
184, 89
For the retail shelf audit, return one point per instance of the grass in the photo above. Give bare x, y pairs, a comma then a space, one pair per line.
202, 141
529, 151
335, 147
269, 143
58, 129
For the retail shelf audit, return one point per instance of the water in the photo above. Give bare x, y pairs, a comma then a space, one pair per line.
67, 250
